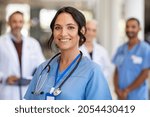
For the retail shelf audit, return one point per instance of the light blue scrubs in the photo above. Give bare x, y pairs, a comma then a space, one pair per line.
86, 83
130, 64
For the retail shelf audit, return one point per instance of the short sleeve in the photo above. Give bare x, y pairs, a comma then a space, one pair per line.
97, 87
146, 58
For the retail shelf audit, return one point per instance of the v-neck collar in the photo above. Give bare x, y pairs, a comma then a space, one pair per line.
134, 48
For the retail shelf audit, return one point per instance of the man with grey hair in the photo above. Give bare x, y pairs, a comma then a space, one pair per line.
19, 57
95, 51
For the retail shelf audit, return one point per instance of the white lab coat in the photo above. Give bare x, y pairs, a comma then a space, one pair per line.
99, 56
32, 57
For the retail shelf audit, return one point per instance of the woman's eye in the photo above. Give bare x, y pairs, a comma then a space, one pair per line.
71, 27
57, 28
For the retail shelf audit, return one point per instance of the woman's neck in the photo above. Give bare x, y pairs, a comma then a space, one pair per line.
66, 58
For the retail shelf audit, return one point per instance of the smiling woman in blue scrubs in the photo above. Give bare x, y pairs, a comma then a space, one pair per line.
132, 62
68, 75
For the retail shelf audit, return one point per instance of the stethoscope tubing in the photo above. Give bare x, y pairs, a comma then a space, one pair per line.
73, 70
37, 91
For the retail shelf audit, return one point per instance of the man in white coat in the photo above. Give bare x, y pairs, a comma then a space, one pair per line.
19, 57
95, 51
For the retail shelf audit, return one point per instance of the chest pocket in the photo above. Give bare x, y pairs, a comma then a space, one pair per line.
136, 62
136, 59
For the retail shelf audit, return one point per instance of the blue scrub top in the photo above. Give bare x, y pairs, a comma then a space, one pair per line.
130, 64
86, 83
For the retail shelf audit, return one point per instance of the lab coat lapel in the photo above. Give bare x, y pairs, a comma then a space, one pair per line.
95, 54
85, 51
25, 55
13, 53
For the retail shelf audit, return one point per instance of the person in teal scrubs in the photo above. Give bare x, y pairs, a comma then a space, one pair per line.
68, 75
132, 62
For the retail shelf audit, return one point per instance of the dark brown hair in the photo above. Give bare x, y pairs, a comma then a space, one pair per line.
134, 19
77, 16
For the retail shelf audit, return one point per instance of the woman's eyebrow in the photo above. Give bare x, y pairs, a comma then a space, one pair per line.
57, 25
71, 24
66, 24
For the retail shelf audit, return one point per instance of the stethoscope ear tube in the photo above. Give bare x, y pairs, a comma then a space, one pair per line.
47, 66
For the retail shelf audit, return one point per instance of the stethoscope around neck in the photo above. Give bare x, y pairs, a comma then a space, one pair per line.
42, 79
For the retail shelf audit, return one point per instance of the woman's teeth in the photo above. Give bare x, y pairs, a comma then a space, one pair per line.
64, 40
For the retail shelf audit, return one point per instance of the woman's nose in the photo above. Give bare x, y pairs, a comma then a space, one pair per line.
64, 31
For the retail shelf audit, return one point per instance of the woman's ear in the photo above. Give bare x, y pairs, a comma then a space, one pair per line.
83, 30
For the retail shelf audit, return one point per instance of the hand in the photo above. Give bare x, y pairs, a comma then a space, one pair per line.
11, 80
119, 94
123, 94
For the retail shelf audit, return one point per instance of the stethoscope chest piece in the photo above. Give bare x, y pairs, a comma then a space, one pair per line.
57, 92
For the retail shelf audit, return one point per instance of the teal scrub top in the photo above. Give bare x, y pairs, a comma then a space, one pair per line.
130, 64
86, 83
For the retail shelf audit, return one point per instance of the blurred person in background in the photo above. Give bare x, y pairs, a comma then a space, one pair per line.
132, 61
95, 51
19, 58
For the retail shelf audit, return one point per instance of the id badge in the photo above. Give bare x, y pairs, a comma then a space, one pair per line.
136, 59
49, 96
